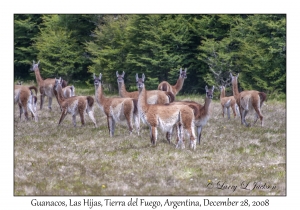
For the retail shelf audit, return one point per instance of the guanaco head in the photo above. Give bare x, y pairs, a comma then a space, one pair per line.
183, 73
97, 80
120, 77
234, 78
209, 92
35, 66
140, 81
57, 81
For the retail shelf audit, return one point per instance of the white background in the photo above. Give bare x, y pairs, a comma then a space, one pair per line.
9, 8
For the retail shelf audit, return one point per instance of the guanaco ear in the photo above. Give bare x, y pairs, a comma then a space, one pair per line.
38, 63
117, 73
213, 87
123, 74
180, 71
143, 77
185, 70
230, 75
94, 76
206, 88
100, 76
237, 75
137, 77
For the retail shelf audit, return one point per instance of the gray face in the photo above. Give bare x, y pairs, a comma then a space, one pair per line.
97, 81
120, 78
234, 78
209, 92
140, 82
35, 66
183, 74
57, 81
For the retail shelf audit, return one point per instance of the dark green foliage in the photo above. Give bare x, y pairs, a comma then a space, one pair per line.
60, 52
209, 46
160, 45
108, 48
254, 45
262, 52
25, 30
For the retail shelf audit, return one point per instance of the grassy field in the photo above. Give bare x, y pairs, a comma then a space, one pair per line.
231, 160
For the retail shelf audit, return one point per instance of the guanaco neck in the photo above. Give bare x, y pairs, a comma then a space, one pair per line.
142, 100
60, 97
178, 84
204, 111
122, 89
235, 87
222, 92
99, 94
38, 77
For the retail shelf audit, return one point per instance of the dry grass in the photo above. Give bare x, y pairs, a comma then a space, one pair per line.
52, 160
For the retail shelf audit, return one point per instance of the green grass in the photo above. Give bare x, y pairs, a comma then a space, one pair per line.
63, 160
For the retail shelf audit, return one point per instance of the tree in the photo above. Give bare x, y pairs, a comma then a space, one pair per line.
262, 40
253, 45
25, 31
108, 50
58, 50
161, 44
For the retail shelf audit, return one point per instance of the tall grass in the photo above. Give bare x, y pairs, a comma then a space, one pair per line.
63, 160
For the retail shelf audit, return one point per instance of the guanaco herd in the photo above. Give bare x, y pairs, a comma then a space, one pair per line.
156, 108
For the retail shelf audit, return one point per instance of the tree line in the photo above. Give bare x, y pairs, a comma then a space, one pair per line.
210, 46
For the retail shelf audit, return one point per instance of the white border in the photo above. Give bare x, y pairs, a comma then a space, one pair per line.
8, 201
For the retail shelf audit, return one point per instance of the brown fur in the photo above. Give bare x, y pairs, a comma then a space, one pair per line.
64, 83
25, 99
46, 87
165, 86
90, 101
135, 102
248, 100
154, 96
74, 105
201, 112
116, 109
166, 117
224, 102
69, 91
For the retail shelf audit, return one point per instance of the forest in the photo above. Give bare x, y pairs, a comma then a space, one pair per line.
209, 46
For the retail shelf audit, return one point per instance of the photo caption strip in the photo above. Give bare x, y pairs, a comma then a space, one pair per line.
152, 203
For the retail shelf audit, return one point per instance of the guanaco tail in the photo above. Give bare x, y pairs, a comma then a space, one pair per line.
68, 91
